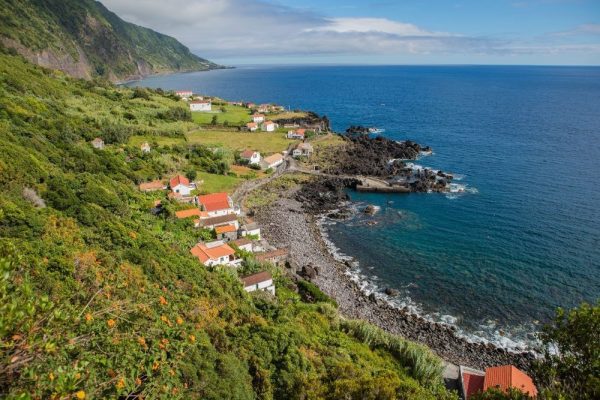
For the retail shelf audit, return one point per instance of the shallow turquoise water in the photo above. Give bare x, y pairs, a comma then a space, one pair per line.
523, 238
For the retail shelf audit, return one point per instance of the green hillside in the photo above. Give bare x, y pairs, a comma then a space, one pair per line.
101, 299
84, 39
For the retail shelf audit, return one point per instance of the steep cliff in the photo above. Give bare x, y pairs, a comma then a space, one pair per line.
86, 40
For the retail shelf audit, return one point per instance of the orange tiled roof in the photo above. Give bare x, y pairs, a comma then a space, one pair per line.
247, 153
251, 125
225, 229
214, 253
178, 180
192, 212
507, 376
214, 201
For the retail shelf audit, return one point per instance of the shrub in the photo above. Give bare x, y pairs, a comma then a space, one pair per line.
422, 364
311, 293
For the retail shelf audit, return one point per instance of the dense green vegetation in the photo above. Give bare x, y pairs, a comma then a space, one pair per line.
86, 39
100, 298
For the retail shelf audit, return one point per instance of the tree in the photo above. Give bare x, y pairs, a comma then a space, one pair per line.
191, 174
213, 121
497, 394
570, 367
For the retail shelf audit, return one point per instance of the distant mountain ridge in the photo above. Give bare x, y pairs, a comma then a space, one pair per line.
86, 40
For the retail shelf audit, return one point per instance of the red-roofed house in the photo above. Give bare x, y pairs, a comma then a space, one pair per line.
272, 161
253, 157
98, 143
215, 253
252, 126
258, 118
269, 126
184, 94
297, 134
181, 185
200, 105
216, 204
260, 281
226, 232
503, 377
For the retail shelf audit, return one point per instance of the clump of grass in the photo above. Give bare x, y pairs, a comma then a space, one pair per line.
419, 361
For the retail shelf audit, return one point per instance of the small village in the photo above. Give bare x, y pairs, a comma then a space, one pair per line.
234, 235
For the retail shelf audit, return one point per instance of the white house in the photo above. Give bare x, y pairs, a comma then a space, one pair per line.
258, 118
181, 185
250, 229
253, 157
98, 143
145, 147
269, 126
184, 94
260, 281
221, 220
243, 244
264, 108
216, 204
215, 253
252, 126
200, 105
273, 161
296, 134
302, 150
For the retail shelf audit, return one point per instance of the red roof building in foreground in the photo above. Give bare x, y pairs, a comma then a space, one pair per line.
502, 377
216, 204
508, 376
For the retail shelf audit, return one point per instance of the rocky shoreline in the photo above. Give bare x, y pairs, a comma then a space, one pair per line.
291, 222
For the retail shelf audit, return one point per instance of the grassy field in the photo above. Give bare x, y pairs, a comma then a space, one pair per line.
161, 140
286, 115
327, 140
260, 141
234, 115
217, 183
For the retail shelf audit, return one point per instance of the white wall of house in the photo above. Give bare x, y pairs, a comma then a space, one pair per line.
182, 189
218, 213
246, 247
269, 127
255, 159
252, 232
258, 119
265, 285
200, 106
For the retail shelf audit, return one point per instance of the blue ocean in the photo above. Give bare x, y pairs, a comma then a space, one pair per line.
519, 235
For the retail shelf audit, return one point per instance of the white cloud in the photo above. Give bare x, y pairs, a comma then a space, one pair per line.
373, 25
251, 29
584, 29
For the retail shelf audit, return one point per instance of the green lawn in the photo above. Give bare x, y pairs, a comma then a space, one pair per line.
217, 183
286, 115
234, 115
261, 141
161, 140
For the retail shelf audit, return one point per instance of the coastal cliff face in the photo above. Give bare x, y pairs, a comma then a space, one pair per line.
86, 40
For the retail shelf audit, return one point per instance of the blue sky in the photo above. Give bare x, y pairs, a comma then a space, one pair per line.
377, 31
